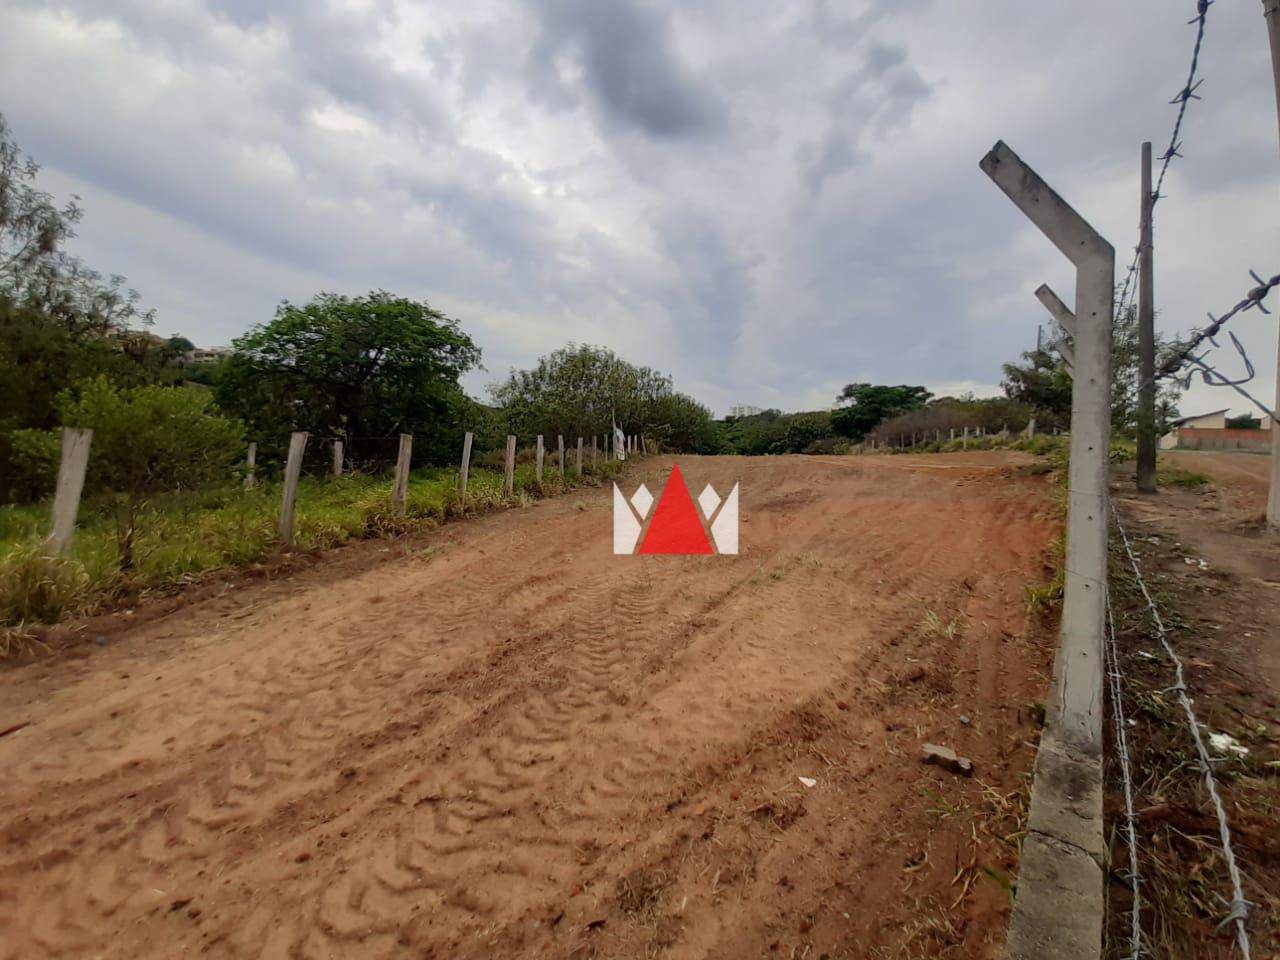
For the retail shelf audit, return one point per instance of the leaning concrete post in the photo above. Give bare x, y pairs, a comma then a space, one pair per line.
66, 499
337, 458
1065, 319
579, 456
1059, 906
537, 461
560, 451
250, 463
509, 478
1080, 688
466, 470
644, 447
292, 471
400, 484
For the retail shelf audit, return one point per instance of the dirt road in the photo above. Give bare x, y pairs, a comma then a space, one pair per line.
499, 740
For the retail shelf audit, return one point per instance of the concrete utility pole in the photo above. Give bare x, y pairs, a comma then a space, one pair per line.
1271, 13
1146, 337
1059, 907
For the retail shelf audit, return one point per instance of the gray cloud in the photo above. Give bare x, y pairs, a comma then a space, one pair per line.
629, 68
768, 200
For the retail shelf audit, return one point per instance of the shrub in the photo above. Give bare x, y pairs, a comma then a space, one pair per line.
146, 440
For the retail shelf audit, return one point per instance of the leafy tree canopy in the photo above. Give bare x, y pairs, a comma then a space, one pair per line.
1043, 382
581, 390
370, 366
864, 406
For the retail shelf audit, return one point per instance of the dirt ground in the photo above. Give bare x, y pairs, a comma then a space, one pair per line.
1215, 574
500, 740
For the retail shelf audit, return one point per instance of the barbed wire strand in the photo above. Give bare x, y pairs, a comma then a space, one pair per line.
1122, 747
1207, 372
1238, 906
1184, 96
1188, 93
1181, 356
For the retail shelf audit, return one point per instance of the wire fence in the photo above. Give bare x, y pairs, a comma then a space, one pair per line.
1129, 289
1238, 906
1115, 682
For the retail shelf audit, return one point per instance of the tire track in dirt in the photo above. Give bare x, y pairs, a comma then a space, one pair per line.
434, 756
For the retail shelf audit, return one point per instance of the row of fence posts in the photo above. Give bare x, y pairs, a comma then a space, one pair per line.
920, 437
77, 441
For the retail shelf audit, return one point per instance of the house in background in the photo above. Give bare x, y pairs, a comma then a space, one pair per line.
203, 354
1209, 431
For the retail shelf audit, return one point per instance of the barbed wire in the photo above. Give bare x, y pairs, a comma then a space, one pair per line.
1238, 910
1183, 354
1184, 96
1208, 375
1122, 747
1129, 289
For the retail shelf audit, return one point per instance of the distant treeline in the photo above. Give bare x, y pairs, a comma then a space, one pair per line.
836, 431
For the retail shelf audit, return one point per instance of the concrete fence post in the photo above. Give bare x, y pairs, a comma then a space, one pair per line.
337, 458
1031, 428
400, 483
579, 467
560, 453
594, 438
964, 443
289, 499
466, 470
250, 464
537, 460
1065, 319
66, 498
509, 477
1059, 907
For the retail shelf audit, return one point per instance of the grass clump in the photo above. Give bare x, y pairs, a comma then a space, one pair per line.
36, 586
1181, 477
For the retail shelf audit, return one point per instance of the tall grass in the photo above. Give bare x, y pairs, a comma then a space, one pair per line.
189, 535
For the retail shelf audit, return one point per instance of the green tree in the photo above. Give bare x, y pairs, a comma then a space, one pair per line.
1043, 382
353, 367
774, 432
581, 390
59, 320
861, 407
147, 441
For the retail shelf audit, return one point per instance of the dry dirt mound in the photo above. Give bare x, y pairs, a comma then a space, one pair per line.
507, 742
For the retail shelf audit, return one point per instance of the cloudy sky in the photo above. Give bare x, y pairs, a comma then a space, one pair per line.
766, 199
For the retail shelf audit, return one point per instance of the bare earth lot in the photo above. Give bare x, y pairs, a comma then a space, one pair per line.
499, 740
